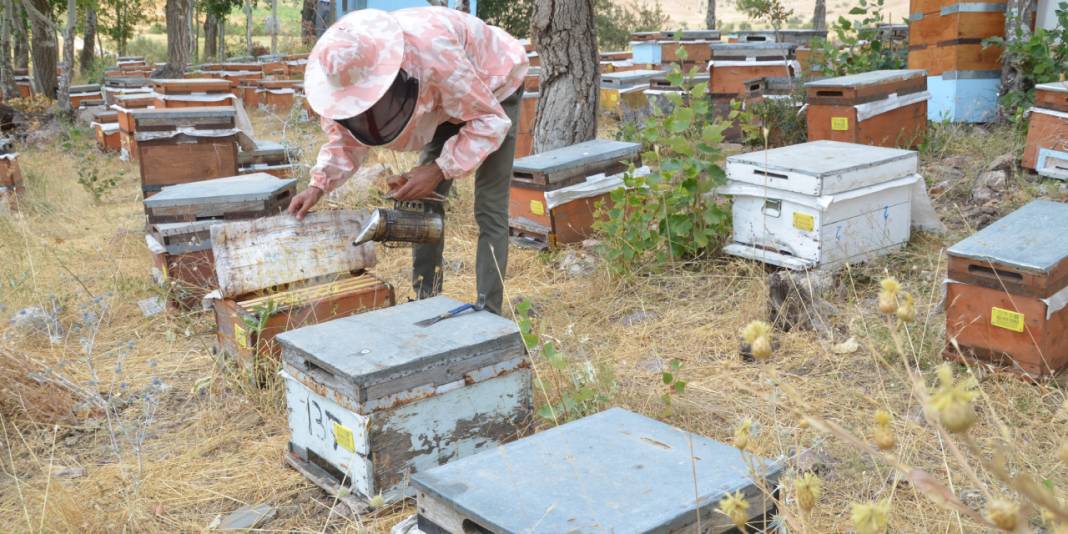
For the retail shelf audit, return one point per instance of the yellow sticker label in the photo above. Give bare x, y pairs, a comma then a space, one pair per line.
344, 438
1007, 319
537, 207
804, 221
840, 124
163, 272
240, 336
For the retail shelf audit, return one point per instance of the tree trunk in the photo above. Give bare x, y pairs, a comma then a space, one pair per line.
67, 67
211, 27
20, 37
566, 40
178, 35
43, 48
7, 72
88, 40
248, 27
274, 26
710, 15
819, 16
307, 22
194, 31
222, 39
1018, 16
120, 10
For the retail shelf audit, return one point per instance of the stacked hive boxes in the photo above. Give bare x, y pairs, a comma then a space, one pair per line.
192, 92
85, 95
623, 93
533, 177
946, 40
660, 49
175, 146
374, 398
1007, 291
883, 108
1047, 132
734, 65
124, 106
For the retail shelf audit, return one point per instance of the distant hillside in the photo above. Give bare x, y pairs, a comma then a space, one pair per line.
692, 12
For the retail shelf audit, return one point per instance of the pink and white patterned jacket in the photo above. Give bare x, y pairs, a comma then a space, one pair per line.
465, 68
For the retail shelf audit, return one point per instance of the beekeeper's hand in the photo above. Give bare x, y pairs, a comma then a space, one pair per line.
422, 183
299, 206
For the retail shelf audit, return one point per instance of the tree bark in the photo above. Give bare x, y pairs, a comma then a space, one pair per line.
565, 37
222, 39
88, 41
710, 15
194, 31
248, 27
67, 67
211, 27
307, 22
7, 72
819, 16
274, 26
43, 47
178, 35
20, 36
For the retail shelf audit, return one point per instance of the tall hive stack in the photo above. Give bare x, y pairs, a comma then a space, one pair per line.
882, 108
1047, 132
192, 92
1007, 291
733, 65
946, 40
821, 203
176, 146
374, 398
624, 473
534, 176
659, 50
277, 273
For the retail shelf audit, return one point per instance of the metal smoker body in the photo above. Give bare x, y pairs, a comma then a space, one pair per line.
409, 222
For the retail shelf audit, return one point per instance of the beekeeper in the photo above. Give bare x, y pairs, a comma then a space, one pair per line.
431, 79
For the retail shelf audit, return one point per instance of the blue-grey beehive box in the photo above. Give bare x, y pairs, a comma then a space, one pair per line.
615, 471
373, 397
236, 197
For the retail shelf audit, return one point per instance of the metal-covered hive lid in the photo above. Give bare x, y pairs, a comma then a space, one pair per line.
1031, 238
248, 187
1057, 87
615, 471
596, 150
359, 352
868, 78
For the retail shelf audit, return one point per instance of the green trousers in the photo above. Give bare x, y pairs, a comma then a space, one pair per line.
492, 180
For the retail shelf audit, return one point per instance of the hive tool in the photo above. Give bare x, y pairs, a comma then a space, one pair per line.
478, 306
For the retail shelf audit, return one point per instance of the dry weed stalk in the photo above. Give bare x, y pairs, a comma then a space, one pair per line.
30, 388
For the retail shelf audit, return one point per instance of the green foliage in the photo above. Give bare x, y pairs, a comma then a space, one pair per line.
118, 20
771, 11
153, 50
670, 214
95, 73
511, 15
581, 388
781, 118
671, 380
1038, 57
858, 47
92, 175
615, 21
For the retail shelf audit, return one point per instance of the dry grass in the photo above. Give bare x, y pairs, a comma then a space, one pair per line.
183, 442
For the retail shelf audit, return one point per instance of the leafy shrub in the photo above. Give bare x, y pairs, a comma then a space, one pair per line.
859, 47
782, 119
93, 177
95, 73
1039, 57
771, 11
153, 50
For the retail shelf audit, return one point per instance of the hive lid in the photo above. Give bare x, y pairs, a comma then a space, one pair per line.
249, 187
1030, 238
615, 471
760, 45
386, 347
868, 78
588, 152
1057, 87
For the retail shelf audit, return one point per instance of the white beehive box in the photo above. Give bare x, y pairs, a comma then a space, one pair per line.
373, 398
820, 204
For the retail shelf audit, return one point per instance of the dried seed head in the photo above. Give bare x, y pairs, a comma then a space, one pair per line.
882, 418
871, 518
1004, 514
906, 311
884, 438
807, 488
735, 507
952, 401
754, 330
741, 434
888, 295
761, 348
890, 285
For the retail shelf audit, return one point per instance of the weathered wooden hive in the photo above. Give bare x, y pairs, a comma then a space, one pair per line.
533, 176
105, 126
1047, 132
277, 95
182, 262
820, 203
374, 398
124, 106
270, 157
795, 37
615, 471
277, 274
1006, 292
11, 184
85, 94
734, 64
528, 115
116, 86
661, 48
184, 145
192, 92
882, 108
626, 89
247, 196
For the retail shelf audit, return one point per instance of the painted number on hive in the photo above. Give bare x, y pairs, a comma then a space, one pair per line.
840, 124
1007, 319
804, 221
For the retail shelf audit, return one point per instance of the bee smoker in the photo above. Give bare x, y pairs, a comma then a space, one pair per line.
409, 222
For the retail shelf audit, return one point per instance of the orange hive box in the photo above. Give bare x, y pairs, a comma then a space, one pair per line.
106, 128
192, 92
734, 64
1047, 131
184, 145
881, 108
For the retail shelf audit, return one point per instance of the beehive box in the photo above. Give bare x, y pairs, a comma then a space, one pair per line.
1007, 290
963, 96
1047, 129
24, 85
615, 471
882, 108
184, 266
615, 86
10, 173
957, 22
373, 398
192, 92
236, 197
269, 157
115, 86
278, 273
177, 146
84, 93
107, 136
697, 51
954, 56
821, 203
734, 64
646, 52
524, 135
532, 176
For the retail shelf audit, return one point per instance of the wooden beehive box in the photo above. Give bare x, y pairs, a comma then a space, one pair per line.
115, 87
957, 23
192, 92
734, 64
619, 55
269, 157
821, 203
699, 51
616, 86
532, 176
624, 472
277, 273
182, 261
183, 145
1007, 290
1047, 128
237, 197
954, 57
882, 108
107, 136
84, 93
524, 135
24, 85
402, 398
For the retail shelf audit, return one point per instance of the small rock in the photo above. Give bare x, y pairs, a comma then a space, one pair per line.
940, 187
945, 173
410, 525
247, 517
848, 346
59, 471
591, 244
151, 306
988, 184
455, 266
577, 263
814, 461
1004, 162
957, 162
636, 317
972, 498
652, 363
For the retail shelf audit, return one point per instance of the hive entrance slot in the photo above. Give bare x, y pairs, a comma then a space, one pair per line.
828, 93
470, 527
994, 273
769, 174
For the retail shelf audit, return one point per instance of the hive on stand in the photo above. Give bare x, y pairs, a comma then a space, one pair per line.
1006, 292
615, 471
176, 146
882, 108
277, 273
24, 86
192, 93
821, 203
374, 398
124, 107
1047, 132
106, 129
270, 157
734, 64
624, 91
533, 176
